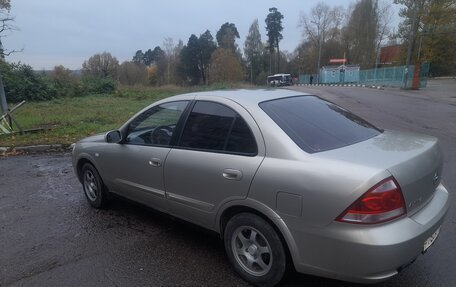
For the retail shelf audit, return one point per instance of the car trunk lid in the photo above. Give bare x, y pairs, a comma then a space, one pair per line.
414, 160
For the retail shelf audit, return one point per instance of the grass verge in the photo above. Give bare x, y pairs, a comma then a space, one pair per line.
71, 119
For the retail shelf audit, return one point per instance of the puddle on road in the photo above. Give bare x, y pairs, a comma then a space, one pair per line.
57, 179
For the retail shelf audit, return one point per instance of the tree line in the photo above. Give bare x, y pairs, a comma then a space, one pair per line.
356, 33
202, 60
360, 31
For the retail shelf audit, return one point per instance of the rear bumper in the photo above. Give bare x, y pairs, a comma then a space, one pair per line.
368, 254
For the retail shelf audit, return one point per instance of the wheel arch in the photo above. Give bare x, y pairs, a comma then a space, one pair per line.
266, 213
80, 163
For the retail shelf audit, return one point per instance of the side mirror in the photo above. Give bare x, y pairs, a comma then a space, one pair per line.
113, 137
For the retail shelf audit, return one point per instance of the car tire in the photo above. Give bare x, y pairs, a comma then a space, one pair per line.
255, 250
95, 191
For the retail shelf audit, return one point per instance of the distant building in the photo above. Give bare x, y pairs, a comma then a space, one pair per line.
390, 56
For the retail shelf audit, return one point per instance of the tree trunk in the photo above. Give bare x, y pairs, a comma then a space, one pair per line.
251, 73
278, 57
168, 71
203, 75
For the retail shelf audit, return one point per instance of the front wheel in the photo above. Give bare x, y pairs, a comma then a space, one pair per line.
255, 250
93, 186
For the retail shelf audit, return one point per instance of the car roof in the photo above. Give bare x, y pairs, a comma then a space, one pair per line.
245, 96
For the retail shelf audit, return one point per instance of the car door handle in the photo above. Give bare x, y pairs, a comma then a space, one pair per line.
155, 162
232, 174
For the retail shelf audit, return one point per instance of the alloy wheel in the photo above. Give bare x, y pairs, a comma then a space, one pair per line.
251, 250
90, 185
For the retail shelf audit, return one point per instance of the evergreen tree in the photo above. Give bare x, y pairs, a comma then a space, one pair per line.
253, 49
226, 36
195, 58
274, 30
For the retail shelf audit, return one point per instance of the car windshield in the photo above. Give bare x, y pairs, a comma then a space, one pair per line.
316, 125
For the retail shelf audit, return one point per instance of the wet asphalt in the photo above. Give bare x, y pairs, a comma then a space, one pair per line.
50, 236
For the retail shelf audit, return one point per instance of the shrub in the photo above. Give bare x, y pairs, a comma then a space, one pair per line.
131, 73
98, 85
261, 79
65, 82
22, 83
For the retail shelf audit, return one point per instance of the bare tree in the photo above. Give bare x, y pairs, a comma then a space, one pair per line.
101, 65
385, 17
131, 73
362, 33
168, 44
5, 27
321, 24
5, 4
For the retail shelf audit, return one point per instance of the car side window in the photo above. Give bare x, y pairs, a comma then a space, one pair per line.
156, 125
215, 127
241, 139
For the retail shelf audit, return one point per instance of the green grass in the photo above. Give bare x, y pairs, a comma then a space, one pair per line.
71, 119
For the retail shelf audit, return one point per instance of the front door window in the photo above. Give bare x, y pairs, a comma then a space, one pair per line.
156, 126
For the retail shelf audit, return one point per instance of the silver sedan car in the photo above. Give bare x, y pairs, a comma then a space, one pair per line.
287, 179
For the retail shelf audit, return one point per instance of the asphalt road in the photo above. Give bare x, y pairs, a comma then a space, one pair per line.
49, 236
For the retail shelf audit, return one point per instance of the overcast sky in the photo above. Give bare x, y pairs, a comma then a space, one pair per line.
64, 32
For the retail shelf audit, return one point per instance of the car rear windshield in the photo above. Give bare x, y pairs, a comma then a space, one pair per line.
317, 125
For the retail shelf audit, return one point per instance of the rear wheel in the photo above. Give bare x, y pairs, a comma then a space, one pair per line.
255, 249
94, 189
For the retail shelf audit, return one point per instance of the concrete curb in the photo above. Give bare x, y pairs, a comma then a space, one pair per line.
340, 85
443, 78
5, 151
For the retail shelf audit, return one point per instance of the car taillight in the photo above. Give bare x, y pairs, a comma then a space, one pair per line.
383, 202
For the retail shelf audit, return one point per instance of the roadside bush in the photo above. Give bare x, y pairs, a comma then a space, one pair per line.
65, 82
131, 73
98, 85
22, 83
261, 79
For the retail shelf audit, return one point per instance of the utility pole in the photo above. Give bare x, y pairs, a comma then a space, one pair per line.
3, 103
319, 60
410, 43
319, 36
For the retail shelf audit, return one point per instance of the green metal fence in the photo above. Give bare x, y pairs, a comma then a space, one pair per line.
389, 76
424, 74
392, 76
308, 79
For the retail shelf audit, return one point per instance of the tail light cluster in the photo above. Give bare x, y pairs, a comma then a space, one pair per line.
383, 202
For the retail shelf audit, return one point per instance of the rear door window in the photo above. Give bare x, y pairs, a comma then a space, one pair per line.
317, 125
215, 127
